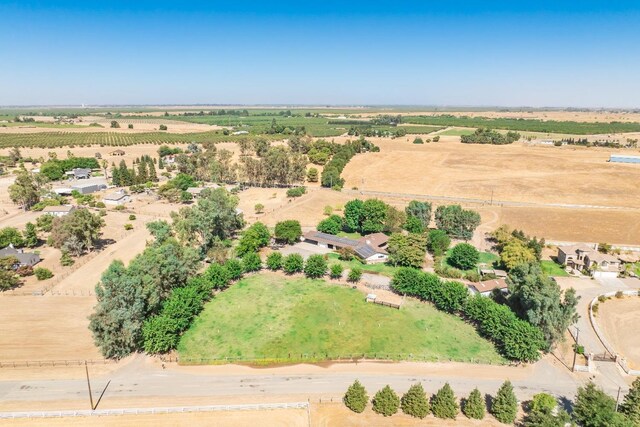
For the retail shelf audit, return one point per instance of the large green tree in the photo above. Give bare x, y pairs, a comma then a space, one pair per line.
438, 242
537, 298
25, 190
474, 407
414, 402
631, 404
77, 232
594, 408
374, 215
253, 238
212, 219
386, 402
444, 403
288, 231
407, 250
353, 211
504, 407
356, 397
457, 222
464, 256
419, 210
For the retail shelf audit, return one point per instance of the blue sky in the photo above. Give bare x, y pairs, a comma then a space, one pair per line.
472, 53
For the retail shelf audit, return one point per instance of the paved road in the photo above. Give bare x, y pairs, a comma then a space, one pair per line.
140, 380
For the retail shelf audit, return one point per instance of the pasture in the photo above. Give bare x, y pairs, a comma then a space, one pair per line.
619, 318
297, 316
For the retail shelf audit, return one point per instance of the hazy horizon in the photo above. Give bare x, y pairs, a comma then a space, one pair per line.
471, 54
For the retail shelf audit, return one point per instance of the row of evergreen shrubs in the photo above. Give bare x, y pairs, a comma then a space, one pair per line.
515, 338
443, 404
315, 267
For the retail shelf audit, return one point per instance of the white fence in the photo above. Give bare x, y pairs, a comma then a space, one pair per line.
148, 411
621, 361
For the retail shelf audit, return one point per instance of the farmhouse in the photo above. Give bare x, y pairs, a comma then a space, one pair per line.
486, 287
619, 158
117, 153
79, 173
58, 211
24, 258
117, 198
369, 248
584, 258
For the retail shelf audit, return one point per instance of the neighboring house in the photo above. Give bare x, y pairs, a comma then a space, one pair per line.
117, 153
79, 173
117, 198
486, 287
58, 210
88, 188
369, 248
24, 258
169, 159
584, 258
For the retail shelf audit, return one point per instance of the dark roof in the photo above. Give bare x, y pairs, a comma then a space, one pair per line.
23, 258
341, 242
365, 251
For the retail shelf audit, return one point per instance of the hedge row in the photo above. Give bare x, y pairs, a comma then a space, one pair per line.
515, 338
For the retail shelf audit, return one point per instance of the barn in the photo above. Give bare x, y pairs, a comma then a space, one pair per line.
620, 158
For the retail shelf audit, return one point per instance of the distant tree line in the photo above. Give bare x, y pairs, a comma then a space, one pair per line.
488, 136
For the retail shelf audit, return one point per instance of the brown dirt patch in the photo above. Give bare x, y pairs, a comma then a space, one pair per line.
619, 319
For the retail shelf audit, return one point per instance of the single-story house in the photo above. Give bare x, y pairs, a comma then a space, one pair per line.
117, 153
117, 198
585, 258
486, 287
24, 258
58, 210
369, 248
88, 188
79, 173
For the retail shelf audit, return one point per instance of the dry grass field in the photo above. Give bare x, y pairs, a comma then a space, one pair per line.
619, 318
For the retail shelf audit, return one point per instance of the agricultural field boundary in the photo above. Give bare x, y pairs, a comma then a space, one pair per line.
483, 201
152, 411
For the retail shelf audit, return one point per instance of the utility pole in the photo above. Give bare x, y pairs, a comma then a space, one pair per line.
618, 398
575, 350
88, 385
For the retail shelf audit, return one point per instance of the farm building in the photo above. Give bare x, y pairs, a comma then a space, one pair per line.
486, 287
370, 248
619, 158
117, 153
58, 211
89, 187
24, 258
117, 198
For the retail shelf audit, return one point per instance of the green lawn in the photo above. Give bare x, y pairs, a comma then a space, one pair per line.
381, 268
551, 268
267, 316
485, 258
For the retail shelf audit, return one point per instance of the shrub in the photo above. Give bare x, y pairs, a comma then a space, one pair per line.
218, 276
274, 261
100, 205
418, 140
315, 267
253, 238
328, 210
258, 208
414, 402
505, 405
43, 273
132, 217
235, 268
24, 270
386, 402
356, 397
355, 274
438, 242
160, 334
450, 296
296, 191
163, 127
345, 254
335, 271
293, 263
464, 256
447, 271
128, 226
66, 260
444, 403
619, 294
474, 407
119, 208
45, 222
543, 402
288, 231
251, 262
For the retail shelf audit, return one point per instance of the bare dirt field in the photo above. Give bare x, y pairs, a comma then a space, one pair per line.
575, 116
619, 319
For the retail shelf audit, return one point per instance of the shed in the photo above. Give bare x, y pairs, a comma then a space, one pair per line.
88, 188
117, 152
116, 198
58, 211
485, 287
